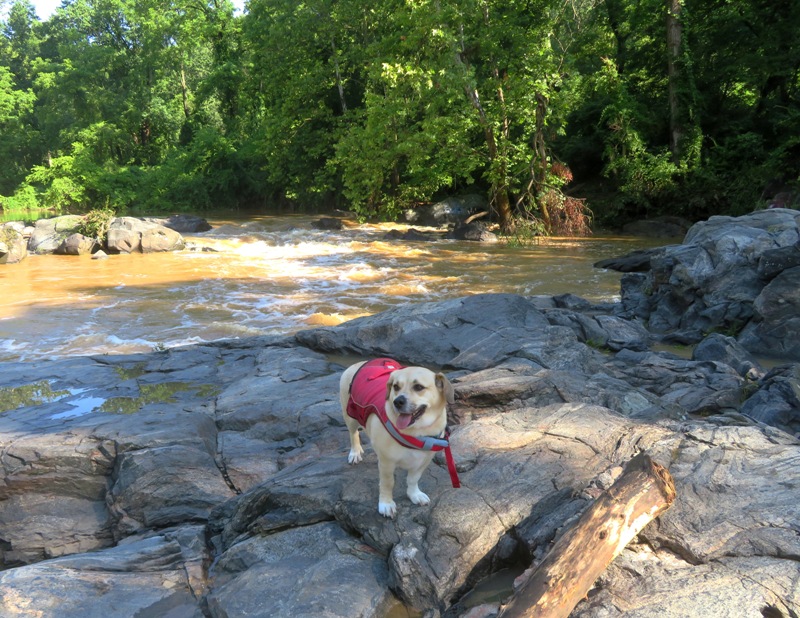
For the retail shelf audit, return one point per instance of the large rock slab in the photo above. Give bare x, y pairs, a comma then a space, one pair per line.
111, 464
159, 574
87, 444
726, 547
317, 570
469, 333
509, 463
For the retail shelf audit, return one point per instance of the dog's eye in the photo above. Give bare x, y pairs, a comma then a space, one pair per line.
396, 386
419, 388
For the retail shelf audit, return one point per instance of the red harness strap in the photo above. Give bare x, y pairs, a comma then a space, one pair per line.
368, 396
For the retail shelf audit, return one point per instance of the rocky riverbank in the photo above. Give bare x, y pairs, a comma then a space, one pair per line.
212, 480
63, 235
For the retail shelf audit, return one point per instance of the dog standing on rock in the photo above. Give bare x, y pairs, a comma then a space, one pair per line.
403, 410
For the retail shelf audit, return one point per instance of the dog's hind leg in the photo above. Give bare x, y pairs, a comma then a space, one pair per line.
356, 450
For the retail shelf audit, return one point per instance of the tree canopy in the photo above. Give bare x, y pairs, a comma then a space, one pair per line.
644, 107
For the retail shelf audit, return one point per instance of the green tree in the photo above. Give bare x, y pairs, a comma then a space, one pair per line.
457, 92
21, 45
302, 63
15, 107
122, 87
19, 139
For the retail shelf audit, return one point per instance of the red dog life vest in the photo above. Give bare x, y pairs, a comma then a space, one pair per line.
368, 396
368, 389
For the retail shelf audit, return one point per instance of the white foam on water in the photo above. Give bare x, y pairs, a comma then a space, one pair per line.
274, 275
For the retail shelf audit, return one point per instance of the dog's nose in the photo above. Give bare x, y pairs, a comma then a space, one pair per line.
399, 401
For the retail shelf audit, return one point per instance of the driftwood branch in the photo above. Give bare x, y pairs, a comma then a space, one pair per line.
643, 491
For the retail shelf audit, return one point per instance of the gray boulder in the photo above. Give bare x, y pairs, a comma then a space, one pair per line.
775, 261
774, 329
48, 234
732, 275
316, 570
157, 574
474, 230
76, 244
410, 234
182, 223
450, 211
130, 235
139, 500
13, 245
776, 402
718, 347
599, 329
328, 223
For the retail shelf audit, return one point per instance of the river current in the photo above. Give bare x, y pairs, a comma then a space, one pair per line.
271, 275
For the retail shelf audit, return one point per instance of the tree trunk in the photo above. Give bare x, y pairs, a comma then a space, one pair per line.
616, 17
499, 196
676, 129
339, 84
539, 173
499, 184
187, 112
567, 573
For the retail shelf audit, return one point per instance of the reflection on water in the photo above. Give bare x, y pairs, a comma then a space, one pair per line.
270, 275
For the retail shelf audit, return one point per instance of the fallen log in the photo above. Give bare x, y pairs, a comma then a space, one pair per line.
643, 491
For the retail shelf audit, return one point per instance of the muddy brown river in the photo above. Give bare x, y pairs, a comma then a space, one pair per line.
271, 275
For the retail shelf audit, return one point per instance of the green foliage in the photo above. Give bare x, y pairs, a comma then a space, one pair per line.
181, 105
206, 174
61, 186
96, 222
526, 233
21, 204
16, 106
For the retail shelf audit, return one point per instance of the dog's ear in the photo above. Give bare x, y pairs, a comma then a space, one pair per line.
444, 386
389, 384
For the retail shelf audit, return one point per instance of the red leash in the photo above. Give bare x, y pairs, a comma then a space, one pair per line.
451, 463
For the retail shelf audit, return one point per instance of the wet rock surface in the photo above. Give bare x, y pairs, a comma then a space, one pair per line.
212, 480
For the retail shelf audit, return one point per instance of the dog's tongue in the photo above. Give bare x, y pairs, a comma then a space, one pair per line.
403, 420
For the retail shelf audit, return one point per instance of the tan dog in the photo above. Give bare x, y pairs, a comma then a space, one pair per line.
415, 402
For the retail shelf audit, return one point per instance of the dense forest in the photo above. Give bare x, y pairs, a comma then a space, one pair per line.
548, 108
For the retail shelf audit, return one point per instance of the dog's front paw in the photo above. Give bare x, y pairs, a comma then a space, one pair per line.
355, 456
419, 497
387, 509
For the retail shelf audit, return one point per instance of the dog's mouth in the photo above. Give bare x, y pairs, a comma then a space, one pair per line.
405, 420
